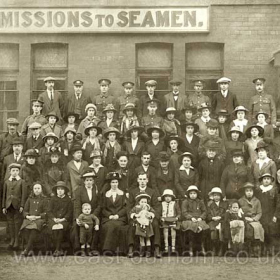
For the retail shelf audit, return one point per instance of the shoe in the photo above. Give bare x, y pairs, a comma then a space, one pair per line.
130, 252
157, 252
148, 252
83, 253
24, 253
93, 253
142, 251
30, 253
56, 253
166, 250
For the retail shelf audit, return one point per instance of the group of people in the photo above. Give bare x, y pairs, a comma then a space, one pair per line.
125, 174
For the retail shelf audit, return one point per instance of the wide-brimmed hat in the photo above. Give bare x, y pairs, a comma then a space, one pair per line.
142, 195
204, 106
109, 107
18, 141
216, 190
109, 130
90, 126
129, 106
240, 108
185, 124
135, 127
60, 184
168, 192
89, 173
75, 148
71, 114
212, 145
235, 129
259, 128
113, 176
31, 153
266, 175
95, 153
185, 154
155, 127
50, 135
70, 129
55, 151
52, 114
192, 188
179, 140
266, 115
212, 123
164, 156
261, 145
189, 108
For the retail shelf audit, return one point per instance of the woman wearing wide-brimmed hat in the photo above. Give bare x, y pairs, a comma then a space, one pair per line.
109, 121
60, 212
71, 121
254, 134
134, 146
170, 123
261, 120
175, 147
204, 110
240, 113
129, 118
52, 125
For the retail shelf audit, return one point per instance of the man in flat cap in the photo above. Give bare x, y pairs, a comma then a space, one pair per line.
150, 95
197, 98
127, 97
103, 98
7, 138
35, 139
52, 99
262, 102
76, 102
176, 99
36, 116
224, 99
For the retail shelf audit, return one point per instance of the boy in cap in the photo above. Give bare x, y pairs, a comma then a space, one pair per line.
36, 116
52, 99
175, 99
150, 95
76, 102
262, 101
224, 99
103, 98
126, 98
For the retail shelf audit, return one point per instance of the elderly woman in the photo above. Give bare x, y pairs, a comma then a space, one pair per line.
186, 175
235, 175
88, 193
113, 215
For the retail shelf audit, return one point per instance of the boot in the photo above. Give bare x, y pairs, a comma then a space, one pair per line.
157, 252
130, 251
203, 252
148, 252
142, 251
191, 248
221, 249
83, 252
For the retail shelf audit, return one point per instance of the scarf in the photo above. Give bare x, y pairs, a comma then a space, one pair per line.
117, 148
96, 143
127, 123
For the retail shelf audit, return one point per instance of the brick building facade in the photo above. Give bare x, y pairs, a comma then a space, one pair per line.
242, 43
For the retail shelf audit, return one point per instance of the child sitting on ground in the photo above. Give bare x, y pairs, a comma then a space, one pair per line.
143, 215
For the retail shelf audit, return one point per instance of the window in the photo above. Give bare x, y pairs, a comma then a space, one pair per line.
49, 59
153, 62
9, 68
204, 61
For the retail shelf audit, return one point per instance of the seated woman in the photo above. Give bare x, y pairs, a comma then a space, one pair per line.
34, 212
88, 193
113, 215
59, 215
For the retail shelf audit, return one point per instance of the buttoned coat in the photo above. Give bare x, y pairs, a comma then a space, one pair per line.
7, 161
101, 101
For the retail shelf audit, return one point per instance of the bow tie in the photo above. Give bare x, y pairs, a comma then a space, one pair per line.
77, 160
14, 179
89, 188
175, 93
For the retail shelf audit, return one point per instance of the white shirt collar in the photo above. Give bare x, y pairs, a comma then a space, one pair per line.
11, 178
205, 119
183, 168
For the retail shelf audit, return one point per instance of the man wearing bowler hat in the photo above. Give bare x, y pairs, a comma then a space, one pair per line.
150, 95
175, 99
52, 99
224, 99
76, 102
103, 98
262, 102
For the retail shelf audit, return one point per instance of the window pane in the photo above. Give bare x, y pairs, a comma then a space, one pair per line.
204, 56
12, 115
162, 82
11, 100
154, 55
50, 56
11, 85
9, 56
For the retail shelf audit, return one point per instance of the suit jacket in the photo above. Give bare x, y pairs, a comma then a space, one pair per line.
74, 179
165, 181
182, 101
6, 140
81, 197
13, 194
7, 161
219, 102
31, 143
142, 108
110, 207
55, 105
70, 104
57, 130
154, 203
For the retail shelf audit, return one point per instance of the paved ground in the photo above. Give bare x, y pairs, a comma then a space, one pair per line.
14, 267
